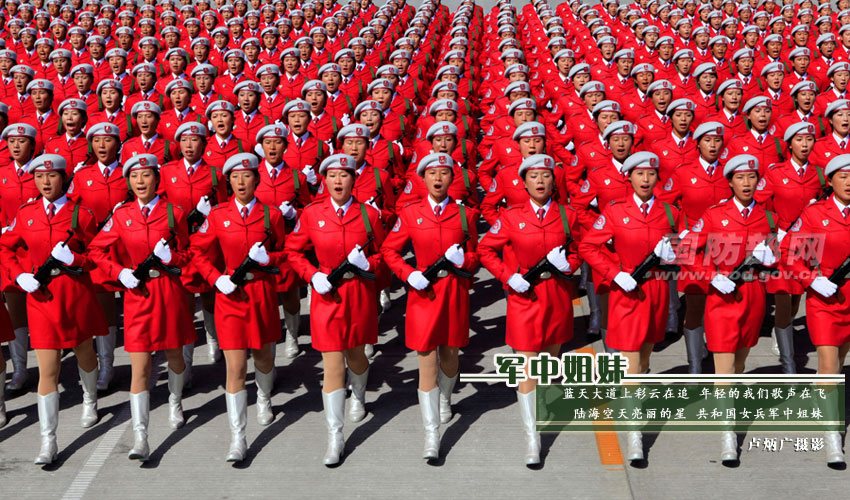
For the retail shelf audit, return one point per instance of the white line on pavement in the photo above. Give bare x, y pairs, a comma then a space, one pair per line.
86, 476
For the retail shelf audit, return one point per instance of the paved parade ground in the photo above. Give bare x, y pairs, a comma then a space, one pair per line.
482, 447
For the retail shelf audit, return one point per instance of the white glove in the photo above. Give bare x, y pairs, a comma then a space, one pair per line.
127, 279
625, 281
558, 258
204, 206
454, 254
664, 250
780, 234
62, 253
418, 281
78, 166
310, 174
518, 283
28, 282
258, 254
764, 254
372, 204
822, 285
224, 284
594, 203
163, 251
287, 210
320, 283
4, 230
813, 200
116, 206
723, 284
357, 258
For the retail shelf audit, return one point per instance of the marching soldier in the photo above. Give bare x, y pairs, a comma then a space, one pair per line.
827, 310
157, 317
639, 226
343, 314
540, 231
437, 317
246, 303
730, 233
61, 307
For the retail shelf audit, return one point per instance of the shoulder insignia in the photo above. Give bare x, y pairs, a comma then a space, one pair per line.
600, 223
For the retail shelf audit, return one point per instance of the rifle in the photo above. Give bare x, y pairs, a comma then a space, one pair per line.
146, 270
838, 276
53, 267
750, 265
441, 269
195, 217
243, 272
643, 271
544, 270
347, 270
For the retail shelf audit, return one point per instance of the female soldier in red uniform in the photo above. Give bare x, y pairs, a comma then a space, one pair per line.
17, 187
343, 316
156, 312
101, 187
63, 314
637, 224
827, 308
436, 226
729, 233
246, 313
194, 183
537, 320
693, 188
288, 189
787, 188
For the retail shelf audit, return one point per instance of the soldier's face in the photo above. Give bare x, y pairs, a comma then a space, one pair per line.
356, 147
621, 146
83, 81
317, 100
339, 183
840, 122
443, 143
298, 121
539, 184
332, 80
21, 80
143, 183
222, 122
760, 118
743, 186
840, 182
643, 181
105, 148
606, 118
681, 121
290, 65
840, 79
531, 146
802, 145
372, 118
203, 83
73, 120
732, 99
273, 149
438, 180
49, 184
180, 98
661, 99
445, 115
20, 149
41, 98
248, 100
710, 147
147, 122
805, 100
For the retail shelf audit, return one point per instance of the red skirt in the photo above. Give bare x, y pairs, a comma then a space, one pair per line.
633, 322
248, 318
535, 325
351, 323
7, 333
828, 320
784, 283
102, 282
443, 321
160, 321
69, 318
731, 325
288, 279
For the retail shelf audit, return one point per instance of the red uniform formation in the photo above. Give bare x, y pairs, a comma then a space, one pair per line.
643, 119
